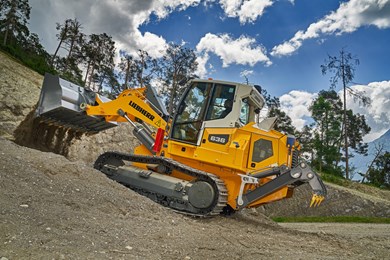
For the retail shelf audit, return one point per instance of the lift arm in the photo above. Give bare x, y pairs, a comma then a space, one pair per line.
135, 105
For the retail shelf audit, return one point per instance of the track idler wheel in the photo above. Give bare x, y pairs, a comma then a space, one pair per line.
201, 195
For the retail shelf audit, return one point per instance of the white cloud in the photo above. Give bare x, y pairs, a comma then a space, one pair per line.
296, 104
245, 10
346, 19
378, 114
202, 62
246, 73
243, 50
120, 18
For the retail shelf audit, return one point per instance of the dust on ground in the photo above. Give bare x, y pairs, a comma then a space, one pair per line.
56, 208
19, 94
347, 230
340, 201
61, 208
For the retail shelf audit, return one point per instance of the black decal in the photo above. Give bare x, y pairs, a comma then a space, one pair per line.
141, 110
219, 139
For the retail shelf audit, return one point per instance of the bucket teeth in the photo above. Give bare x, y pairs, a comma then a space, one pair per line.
316, 200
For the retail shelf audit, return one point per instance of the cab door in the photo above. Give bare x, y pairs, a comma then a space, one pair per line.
263, 152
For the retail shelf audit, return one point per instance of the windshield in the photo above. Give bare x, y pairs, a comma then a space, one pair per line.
191, 112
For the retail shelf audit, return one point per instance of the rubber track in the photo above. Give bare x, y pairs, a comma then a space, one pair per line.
218, 184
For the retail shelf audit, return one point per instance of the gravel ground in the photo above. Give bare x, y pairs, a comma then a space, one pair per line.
354, 231
53, 208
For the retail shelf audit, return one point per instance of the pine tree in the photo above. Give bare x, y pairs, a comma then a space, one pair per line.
343, 68
283, 122
71, 39
379, 174
99, 53
14, 15
176, 67
327, 113
137, 71
127, 70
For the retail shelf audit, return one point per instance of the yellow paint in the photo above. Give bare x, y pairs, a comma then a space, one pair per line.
225, 158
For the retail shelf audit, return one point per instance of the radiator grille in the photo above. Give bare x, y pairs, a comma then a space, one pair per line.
295, 157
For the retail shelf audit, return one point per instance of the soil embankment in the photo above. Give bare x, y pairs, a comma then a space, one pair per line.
56, 207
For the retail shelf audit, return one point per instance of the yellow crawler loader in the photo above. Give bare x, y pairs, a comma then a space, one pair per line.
208, 158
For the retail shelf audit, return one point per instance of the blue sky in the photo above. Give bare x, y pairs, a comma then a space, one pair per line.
279, 44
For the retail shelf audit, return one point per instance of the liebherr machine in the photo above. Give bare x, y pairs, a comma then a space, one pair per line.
209, 157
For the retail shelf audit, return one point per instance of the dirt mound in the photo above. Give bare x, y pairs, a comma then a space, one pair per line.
55, 208
19, 93
340, 201
34, 133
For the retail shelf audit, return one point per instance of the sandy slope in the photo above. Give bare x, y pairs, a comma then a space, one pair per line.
54, 208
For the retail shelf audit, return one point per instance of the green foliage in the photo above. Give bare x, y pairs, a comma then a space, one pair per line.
137, 71
283, 122
14, 15
68, 69
305, 139
357, 128
343, 69
326, 110
71, 39
16, 38
36, 62
335, 178
379, 174
334, 219
329, 138
175, 68
99, 54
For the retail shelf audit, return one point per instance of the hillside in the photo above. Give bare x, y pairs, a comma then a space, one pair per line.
362, 162
56, 207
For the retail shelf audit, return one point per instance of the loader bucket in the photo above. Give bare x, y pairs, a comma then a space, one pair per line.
59, 104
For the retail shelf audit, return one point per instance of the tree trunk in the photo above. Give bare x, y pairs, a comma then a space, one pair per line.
91, 76
86, 73
127, 74
173, 93
345, 119
379, 150
70, 49
5, 36
11, 25
55, 53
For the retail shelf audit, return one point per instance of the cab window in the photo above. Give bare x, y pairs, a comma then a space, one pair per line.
222, 102
244, 112
191, 112
262, 149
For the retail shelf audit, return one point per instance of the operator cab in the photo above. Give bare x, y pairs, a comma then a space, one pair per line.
211, 103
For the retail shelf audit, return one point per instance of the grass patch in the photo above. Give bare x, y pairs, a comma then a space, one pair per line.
337, 219
334, 179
